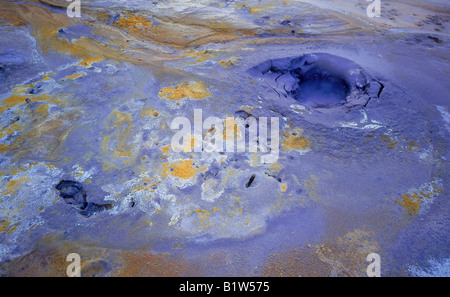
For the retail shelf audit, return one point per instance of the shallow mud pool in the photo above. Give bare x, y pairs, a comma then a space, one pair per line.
88, 164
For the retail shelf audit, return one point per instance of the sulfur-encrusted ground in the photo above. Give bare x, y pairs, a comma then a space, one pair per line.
87, 166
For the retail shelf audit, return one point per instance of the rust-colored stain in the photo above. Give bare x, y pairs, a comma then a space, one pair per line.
132, 22
413, 199
75, 75
254, 10
48, 258
295, 262
165, 149
193, 90
45, 26
204, 218
228, 63
20, 96
89, 61
344, 256
4, 225
295, 140
390, 143
184, 32
411, 203
146, 264
412, 145
12, 185
147, 112
182, 169
202, 55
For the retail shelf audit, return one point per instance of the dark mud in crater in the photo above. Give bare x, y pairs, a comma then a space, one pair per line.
73, 193
319, 81
321, 91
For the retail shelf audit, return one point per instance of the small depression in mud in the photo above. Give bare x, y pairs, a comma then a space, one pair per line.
318, 80
73, 193
320, 91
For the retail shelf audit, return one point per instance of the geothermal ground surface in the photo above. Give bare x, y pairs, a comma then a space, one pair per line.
87, 166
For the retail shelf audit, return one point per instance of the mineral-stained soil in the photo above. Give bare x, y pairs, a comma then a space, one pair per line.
87, 163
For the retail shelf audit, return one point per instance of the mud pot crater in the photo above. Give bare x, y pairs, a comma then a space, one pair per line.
319, 81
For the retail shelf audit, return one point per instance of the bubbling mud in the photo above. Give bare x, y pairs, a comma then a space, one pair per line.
318, 81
